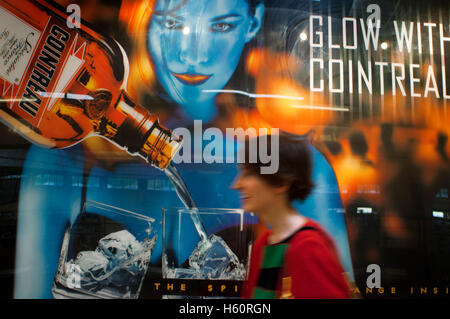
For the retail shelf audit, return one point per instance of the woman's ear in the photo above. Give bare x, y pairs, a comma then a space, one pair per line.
284, 187
256, 22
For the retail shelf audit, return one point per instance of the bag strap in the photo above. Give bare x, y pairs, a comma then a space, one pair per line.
286, 279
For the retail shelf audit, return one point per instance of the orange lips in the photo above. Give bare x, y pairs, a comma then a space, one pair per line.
192, 79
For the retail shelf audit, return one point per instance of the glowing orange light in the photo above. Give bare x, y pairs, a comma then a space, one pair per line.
135, 15
275, 75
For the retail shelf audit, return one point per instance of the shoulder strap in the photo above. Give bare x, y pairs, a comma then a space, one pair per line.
287, 240
286, 281
286, 285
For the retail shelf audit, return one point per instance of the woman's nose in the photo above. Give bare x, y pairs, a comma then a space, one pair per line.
194, 45
236, 183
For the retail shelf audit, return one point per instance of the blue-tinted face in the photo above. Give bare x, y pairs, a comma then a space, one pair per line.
196, 45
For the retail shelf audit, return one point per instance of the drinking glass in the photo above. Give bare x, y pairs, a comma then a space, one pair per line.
206, 245
105, 254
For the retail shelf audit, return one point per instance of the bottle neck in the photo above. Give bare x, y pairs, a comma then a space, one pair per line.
160, 146
141, 134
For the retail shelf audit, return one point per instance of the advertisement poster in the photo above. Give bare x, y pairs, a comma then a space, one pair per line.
97, 97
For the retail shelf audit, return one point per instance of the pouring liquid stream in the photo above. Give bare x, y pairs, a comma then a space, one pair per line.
186, 198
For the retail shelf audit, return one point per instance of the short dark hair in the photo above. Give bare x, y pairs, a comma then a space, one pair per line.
295, 166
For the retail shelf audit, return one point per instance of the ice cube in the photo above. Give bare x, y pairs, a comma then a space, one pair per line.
215, 260
119, 247
89, 269
93, 262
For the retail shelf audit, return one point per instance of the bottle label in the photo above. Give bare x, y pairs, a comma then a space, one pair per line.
18, 41
40, 57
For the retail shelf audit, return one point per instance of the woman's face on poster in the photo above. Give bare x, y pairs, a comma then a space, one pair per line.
195, 45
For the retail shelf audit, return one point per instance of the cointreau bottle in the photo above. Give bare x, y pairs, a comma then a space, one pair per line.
60, 85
